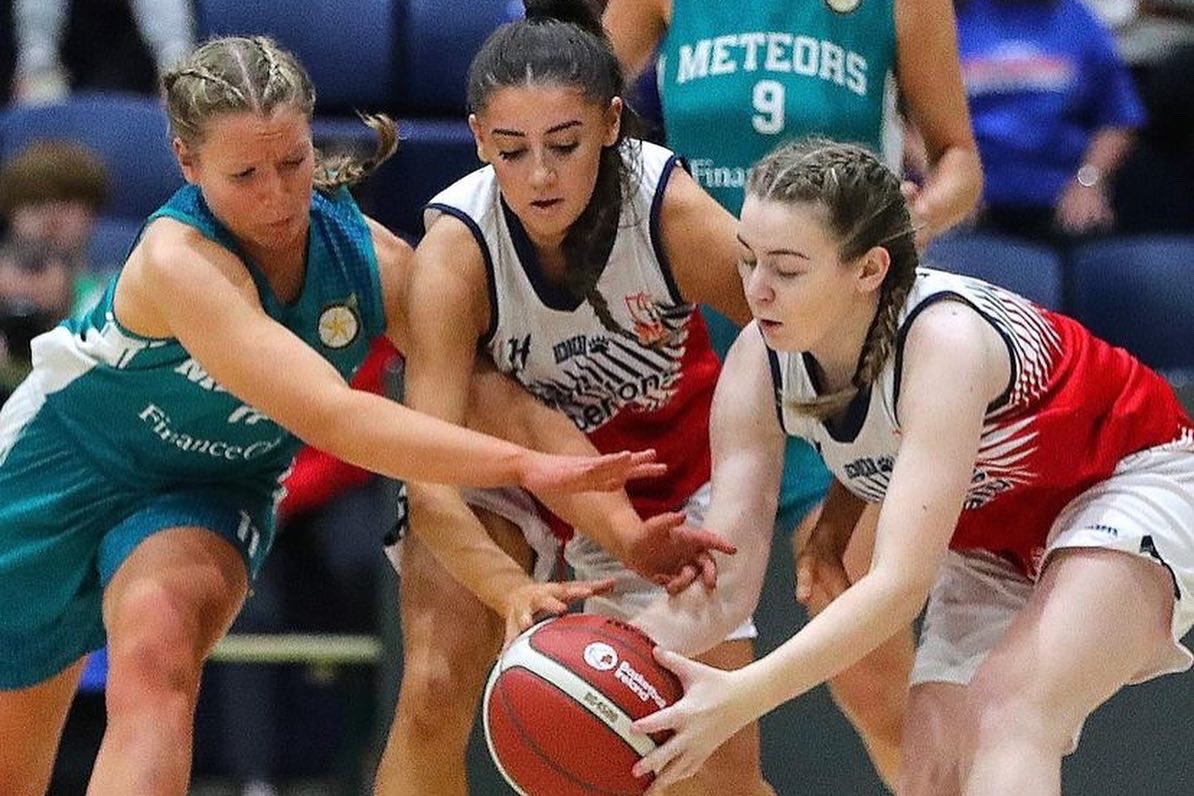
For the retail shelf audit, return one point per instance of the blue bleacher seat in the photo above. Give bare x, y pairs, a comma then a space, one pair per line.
431, 156
1033, 271
439, 40
349, 47
127, 132
1137, 292
110, 242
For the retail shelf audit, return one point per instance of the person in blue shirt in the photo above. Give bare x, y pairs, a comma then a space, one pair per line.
140, 461
1054, 110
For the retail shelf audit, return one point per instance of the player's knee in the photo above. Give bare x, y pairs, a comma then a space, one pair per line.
439, 695
998, 708
154, 645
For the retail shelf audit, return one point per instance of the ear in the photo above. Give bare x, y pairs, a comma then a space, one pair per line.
874, 265
186, 160
479, 138
613, 122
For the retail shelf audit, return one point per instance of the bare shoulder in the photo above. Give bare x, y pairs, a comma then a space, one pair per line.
949, 342
173, 253
683, 192
747, 364
172, 265
390, 248
448, 277
451, 250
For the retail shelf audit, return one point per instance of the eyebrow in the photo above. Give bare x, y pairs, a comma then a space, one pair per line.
773, 252
549, 131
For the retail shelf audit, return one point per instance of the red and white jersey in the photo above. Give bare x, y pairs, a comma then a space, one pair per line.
1074, 407
651, 388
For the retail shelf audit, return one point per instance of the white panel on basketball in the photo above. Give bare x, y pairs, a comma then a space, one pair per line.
522, 654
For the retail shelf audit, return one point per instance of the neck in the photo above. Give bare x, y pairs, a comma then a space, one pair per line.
551, 255
838, 352
284, 269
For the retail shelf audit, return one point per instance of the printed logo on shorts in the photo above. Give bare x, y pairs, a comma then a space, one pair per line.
601, 656
338, 326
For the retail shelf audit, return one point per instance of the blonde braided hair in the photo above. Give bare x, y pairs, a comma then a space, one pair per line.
233, 74
865, 209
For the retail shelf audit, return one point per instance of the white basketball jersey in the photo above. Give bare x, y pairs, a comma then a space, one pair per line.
1074, 407
552, 342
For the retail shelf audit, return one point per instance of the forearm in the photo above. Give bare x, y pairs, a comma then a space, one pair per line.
379, 435
952, 187
451, 531
499, 406
863, 617
696, 620
1108, 149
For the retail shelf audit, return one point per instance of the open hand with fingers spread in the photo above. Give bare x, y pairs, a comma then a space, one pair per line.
551, 473
713, 709
674, 554
528, 603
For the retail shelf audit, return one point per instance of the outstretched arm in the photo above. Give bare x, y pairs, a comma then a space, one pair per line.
930, 78
179, 284
948, 345
663, 549
748, 449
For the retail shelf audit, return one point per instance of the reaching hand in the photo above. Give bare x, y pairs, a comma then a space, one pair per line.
820, 571
549, 473
673, 554
706, 717
533, 599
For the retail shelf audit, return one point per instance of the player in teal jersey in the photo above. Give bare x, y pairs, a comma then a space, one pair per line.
735, 79
140, 461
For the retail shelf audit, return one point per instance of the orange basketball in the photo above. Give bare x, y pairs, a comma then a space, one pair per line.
559, 704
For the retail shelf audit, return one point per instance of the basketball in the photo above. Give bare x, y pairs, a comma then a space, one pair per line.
560, 701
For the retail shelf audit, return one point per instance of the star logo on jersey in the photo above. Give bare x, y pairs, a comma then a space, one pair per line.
338, 326
843, 6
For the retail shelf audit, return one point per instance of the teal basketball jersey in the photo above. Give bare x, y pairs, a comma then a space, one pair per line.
737, 79
147, 414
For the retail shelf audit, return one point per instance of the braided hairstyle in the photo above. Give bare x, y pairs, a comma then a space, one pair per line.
865, 209
562, 43
252, 73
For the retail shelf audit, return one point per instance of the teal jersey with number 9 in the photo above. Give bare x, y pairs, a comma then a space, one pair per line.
737, 79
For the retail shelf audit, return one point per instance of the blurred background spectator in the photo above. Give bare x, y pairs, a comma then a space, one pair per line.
65, 45
51, 193
1055, 111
